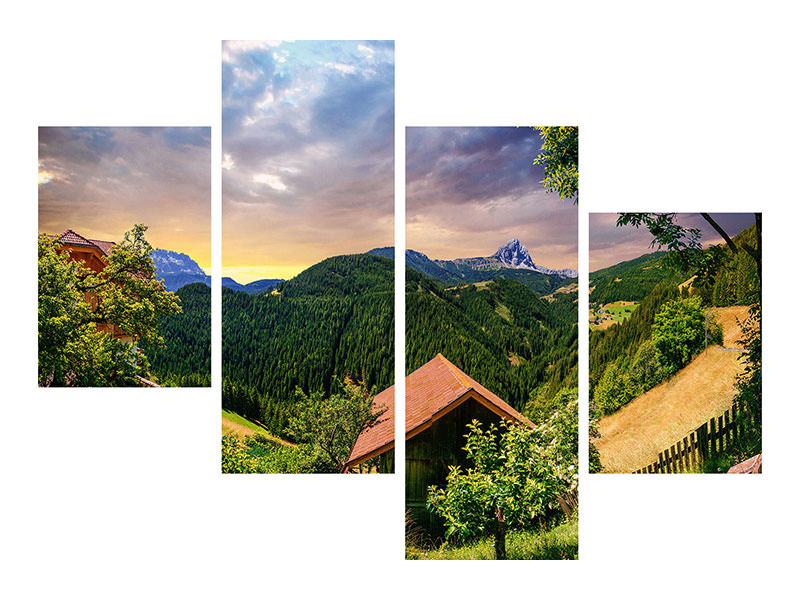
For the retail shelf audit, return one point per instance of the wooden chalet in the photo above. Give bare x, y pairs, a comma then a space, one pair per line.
440, 401
94, 255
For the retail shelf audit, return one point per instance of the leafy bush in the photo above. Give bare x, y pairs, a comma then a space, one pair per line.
518, 472
614, 390
678, 333
235, 458
327, 428
646, 371
714, 331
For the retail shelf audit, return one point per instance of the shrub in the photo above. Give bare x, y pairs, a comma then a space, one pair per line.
614, 390
678, 333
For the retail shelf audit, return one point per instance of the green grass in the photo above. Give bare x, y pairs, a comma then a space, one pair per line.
618, 311
249, 425
559, 543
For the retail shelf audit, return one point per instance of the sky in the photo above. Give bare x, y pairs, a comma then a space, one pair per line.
609, 244
471, 189
307, 153
101, 181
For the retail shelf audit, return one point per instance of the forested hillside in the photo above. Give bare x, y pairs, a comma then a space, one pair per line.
499, 332
632, 279
185, 360
459, 273
335, 319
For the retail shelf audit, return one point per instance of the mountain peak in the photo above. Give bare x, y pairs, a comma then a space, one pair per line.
514, 254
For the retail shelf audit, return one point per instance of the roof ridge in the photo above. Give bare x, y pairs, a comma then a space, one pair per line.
458, 373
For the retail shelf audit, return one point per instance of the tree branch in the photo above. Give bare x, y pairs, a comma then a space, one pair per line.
720, 231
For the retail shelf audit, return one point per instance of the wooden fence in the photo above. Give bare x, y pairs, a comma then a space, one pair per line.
705, 442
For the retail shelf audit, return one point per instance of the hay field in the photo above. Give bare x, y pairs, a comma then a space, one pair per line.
633, 436
727, 317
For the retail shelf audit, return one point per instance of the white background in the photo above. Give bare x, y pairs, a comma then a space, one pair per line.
116, 493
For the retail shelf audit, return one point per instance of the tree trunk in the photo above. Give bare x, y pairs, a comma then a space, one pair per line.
500, 536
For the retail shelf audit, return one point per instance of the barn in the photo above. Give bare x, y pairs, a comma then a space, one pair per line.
440, 401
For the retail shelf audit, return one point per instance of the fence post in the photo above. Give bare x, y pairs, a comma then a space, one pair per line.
703, 441
728, 433
712, 435
693, 449
685, 454
720, 434
660, 462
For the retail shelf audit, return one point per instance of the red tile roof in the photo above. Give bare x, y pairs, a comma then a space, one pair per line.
432, 391
75, 239
380, 437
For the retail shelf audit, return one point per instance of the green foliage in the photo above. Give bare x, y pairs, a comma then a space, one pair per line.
595, 466
614, 390
646, 371
334, 320
185, 358
559, 436
633, 279
327, 428
235, 458
714, 330
74, 300
682, 243
515, 477
620, 343
259, 454
501, 333
559, 157
684, 248
678, 333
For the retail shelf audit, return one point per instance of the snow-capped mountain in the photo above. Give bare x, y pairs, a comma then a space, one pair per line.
178, 269
170, 262
514, 255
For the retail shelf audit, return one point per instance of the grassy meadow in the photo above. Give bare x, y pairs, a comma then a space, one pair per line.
559, 543
614, 312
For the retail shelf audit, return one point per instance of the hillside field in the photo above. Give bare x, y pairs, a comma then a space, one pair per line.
233, 424
633, 436
614, 312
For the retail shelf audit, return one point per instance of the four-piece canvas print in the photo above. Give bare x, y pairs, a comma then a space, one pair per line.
491, 300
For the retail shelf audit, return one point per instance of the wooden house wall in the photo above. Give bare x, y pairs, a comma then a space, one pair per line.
429, 453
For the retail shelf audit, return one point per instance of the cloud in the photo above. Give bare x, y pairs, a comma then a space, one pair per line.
310, 130
101, 181
469, 189
272, 181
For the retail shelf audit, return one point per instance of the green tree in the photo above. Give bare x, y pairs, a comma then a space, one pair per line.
678, 333
559, 157
614, 390
514, 479
327, 428
74, 300
646, 371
